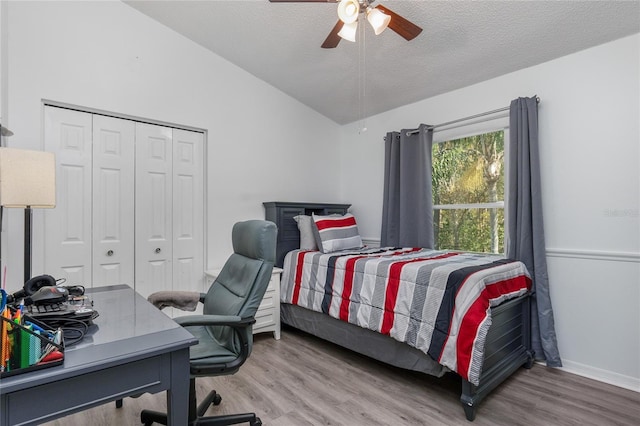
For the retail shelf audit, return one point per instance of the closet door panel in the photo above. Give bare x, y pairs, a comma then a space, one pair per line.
68, 226
153, 211
113, 200
188, 208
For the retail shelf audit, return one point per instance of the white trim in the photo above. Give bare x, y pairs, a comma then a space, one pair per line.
605, 376
605, 255
505, 163
371, 242
496, 205
613, 256
65, 105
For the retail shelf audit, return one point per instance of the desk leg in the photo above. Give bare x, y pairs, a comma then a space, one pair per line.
178, 393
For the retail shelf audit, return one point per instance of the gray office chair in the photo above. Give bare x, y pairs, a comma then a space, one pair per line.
224, 330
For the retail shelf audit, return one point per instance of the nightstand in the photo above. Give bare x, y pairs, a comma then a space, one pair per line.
268, 314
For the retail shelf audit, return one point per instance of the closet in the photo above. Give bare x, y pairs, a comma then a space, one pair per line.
130, 202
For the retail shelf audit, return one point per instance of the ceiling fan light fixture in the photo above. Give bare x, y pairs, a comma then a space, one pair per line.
348, 11
348, 31
378, 20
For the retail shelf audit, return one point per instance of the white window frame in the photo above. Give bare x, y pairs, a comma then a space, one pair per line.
491, 124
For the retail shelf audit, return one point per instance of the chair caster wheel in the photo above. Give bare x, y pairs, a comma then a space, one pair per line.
217, 400
257, 422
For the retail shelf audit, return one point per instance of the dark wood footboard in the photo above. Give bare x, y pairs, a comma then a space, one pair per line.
508, 347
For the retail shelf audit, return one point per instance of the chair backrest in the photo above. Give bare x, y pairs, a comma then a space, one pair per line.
243, 280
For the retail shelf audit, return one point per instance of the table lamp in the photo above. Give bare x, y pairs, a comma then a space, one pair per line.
27, 181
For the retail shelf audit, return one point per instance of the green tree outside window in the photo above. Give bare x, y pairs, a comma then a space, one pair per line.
468, 193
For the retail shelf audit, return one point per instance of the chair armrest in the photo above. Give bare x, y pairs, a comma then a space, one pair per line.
226, 320
183, 300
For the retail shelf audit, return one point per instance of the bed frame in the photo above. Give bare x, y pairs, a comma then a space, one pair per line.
507, 348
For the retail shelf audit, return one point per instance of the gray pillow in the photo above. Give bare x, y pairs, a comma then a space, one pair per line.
305, 226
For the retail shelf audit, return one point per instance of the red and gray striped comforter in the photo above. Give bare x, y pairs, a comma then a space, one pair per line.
436, 301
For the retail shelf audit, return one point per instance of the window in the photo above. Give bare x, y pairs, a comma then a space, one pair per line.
468, 193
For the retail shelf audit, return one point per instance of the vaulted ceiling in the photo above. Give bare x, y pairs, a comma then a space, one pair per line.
462, 43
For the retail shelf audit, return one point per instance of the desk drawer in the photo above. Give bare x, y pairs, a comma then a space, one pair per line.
77, 393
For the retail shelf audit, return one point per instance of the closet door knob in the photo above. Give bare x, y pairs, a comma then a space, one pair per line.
110, 253
158, 250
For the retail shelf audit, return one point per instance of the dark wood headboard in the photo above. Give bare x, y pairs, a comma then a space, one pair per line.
282, 213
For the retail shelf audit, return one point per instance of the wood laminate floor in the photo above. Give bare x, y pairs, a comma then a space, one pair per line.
301, 380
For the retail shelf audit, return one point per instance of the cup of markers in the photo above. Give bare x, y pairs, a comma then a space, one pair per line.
26, 345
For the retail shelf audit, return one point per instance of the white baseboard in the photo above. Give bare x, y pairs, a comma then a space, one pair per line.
605, 376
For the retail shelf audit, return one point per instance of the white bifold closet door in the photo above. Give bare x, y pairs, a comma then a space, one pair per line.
154, 230
130, 203
113, 201
169, 233
188, 210
68, 236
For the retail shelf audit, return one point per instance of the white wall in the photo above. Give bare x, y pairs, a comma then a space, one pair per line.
589, 134
108, 56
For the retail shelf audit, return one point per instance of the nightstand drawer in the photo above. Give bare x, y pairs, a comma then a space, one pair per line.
271, 287
267, 304
263, 320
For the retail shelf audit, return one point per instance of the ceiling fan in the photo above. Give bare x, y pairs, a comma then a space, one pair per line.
349, 10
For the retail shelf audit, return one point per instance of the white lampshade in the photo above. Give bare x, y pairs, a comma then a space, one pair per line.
348, 31
27, 178
378, 20
348, 11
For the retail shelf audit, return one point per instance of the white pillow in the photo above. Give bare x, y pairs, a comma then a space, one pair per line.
305, 226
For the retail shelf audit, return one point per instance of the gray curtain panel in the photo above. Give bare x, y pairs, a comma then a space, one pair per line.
525, 225
407, 209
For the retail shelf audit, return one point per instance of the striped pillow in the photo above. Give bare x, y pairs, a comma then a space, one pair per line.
335, 233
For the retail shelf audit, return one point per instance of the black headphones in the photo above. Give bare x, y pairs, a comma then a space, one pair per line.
36, 283
31, 286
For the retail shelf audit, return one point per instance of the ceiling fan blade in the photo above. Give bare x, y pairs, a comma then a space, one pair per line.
400, 25
333, 38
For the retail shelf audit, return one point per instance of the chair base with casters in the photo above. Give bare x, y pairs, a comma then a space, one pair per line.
196, 412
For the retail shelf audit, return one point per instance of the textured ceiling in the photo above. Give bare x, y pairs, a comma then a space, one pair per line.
462, 43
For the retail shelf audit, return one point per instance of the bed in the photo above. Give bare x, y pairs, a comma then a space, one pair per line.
418, 309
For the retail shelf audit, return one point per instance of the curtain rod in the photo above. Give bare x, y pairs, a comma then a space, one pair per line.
471, 117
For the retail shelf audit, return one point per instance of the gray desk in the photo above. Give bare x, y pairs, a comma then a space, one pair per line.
131, 349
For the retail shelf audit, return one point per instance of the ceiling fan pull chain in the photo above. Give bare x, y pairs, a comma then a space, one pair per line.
362, 80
